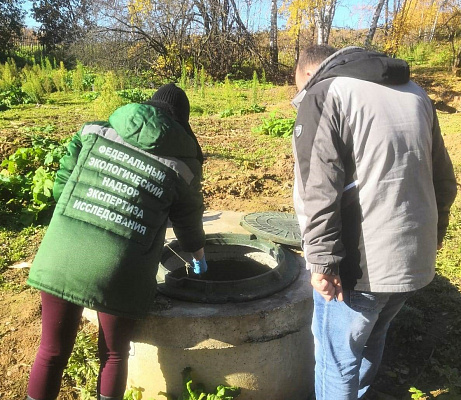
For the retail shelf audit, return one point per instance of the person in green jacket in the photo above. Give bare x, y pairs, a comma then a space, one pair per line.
117, 186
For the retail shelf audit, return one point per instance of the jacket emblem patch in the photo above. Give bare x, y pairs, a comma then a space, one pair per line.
298, 130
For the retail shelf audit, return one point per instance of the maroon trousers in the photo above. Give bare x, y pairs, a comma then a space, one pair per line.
60, 321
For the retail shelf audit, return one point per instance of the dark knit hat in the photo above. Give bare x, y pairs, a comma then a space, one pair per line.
174, 100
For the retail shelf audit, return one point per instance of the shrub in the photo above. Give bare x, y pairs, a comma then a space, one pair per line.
32, 84
59, 77
77, 78
109, 100
46, 76
9, 75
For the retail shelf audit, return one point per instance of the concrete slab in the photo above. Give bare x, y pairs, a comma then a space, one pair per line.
263, 346
217, 222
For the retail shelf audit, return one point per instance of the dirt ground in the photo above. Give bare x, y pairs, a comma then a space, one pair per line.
227, 185
246, 185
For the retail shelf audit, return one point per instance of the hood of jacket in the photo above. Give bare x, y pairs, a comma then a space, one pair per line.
153, 130
356, 62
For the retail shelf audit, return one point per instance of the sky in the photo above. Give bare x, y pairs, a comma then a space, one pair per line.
353, 14
349, 14
30, 23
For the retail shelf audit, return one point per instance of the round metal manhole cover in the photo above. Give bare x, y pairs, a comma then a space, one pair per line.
279, 227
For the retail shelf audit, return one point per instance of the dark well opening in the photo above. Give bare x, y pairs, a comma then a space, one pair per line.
240, 268
227, 270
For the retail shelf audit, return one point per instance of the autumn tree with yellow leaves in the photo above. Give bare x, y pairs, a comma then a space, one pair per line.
422, 20
316, 15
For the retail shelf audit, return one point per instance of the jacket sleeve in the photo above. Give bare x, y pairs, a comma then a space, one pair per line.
66, 165
319, 182
186, 213
444, 179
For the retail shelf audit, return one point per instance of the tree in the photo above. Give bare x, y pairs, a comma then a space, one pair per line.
62, 21
11, 22
324, 12
374, 23
299, 16
274, 56
305, 13
166, 35
400, 25
145, 34
450, 24
226, 39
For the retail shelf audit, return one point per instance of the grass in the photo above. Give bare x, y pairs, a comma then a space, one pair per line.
18, 243
423, 348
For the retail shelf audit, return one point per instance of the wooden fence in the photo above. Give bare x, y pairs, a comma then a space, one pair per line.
30, 44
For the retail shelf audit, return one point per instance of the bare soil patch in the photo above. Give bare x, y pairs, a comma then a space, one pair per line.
231, 182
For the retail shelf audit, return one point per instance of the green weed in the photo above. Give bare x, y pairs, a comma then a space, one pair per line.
183, 78
27, 177
202, 82
59, 77
192, 391
229, 112
276, 126
134, 95
417, 394
18, 243
78, 78
90, 96
83, 366
196, 110
254, 87
9, 75
12, 96
253, 109
133, 393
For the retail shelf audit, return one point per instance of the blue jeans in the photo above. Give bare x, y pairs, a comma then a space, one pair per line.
349, 341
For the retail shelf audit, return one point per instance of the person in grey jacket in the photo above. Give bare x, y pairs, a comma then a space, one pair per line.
373, 189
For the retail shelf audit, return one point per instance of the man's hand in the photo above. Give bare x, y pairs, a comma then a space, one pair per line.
329, 286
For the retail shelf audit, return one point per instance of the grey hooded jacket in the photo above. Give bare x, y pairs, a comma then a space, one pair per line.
373, 180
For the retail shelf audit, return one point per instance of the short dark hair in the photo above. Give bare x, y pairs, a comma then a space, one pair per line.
314, 55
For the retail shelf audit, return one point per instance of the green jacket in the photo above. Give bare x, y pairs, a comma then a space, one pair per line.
117, 186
